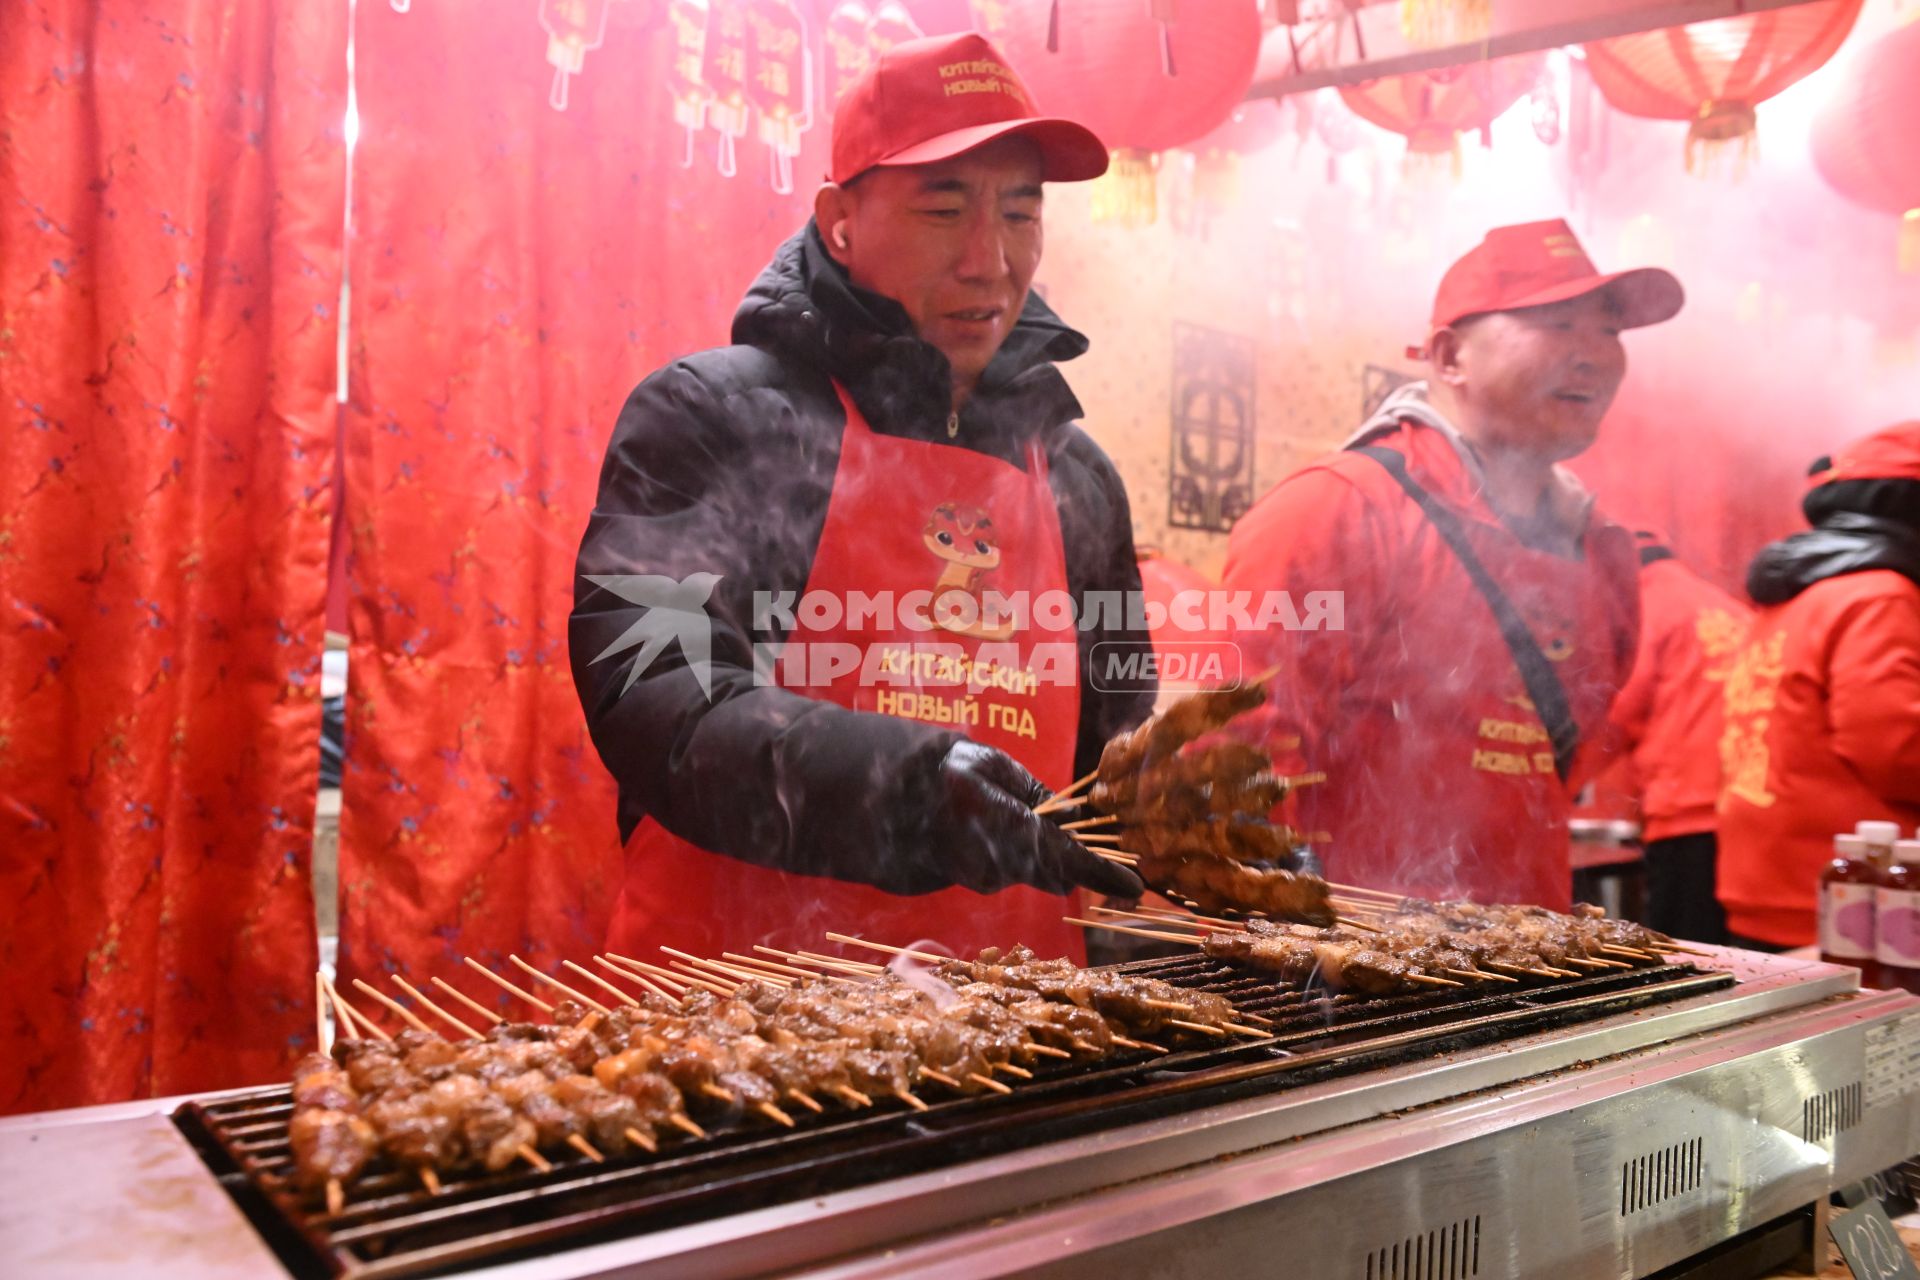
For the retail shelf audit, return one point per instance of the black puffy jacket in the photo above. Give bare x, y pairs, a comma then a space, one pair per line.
723, 462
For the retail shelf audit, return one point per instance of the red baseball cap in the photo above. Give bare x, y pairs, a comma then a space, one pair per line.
928, 100
1892, 453
1536, 263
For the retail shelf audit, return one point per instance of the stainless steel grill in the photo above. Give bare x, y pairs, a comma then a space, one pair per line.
394, 1228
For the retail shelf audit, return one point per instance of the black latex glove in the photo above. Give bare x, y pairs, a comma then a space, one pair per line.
984, 835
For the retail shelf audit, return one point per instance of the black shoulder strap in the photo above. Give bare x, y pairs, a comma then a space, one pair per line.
1536, 669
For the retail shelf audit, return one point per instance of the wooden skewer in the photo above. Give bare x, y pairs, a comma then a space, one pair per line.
1104, 820
823, 962
906, 1096
1303, 780
618, 994
670, 984
435, 1009
732, 971
336, 1197
642, 1141
1427, 980
638, 980
1048, 1051
406, 1015
1253, 1032
1057, 799
1098, 837
1175, 1005
940, 1077
320, 1041
866, 968
1683, 950
1060, 805
1125, 1043
1630, 953
493, 1019
1122, 928
1360, 891
529, 997
1478, 974
707, 984
725, 1095
340, 1002
774, 1113
1114, 855
341, 1018
988, 1082
850, 1095
533, 1158
686, 1125
1361, 925
810, 1103
1201, 1027
771, 966
726, 984
579, 996
1008, 1069
585, 1148
1084, 1047
430, 1179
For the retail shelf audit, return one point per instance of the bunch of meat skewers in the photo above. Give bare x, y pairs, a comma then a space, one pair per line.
1192, 812
1398, 946
609, 1080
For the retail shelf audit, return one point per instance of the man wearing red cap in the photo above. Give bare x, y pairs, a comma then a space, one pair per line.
837, 518
1490, 613
1823, 703
1665, 730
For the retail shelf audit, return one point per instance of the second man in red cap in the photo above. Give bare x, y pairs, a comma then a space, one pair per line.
1489, 612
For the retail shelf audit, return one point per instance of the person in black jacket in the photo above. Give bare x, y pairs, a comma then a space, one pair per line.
888, 418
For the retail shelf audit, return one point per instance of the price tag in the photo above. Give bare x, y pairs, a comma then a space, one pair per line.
1870, 1245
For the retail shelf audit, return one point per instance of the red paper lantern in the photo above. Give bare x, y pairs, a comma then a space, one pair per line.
724, 70
1865, 142
574, 28
848, 52
687, 24
779, 82
1144, 75
1713, 73
1431, 109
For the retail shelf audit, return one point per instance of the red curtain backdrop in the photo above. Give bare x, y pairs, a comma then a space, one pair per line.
170, 209
516, 270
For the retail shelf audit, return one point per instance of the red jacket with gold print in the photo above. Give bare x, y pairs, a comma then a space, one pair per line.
1440, 775
1822, 732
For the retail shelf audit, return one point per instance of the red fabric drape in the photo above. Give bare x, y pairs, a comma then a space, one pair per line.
516, 271
171, 189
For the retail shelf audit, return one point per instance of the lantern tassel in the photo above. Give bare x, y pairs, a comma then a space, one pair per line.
1166, 51
1053, 27
1910, 242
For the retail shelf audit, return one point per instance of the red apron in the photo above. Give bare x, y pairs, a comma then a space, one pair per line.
927, 523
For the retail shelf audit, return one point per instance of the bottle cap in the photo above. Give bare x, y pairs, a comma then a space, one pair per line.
1907, 851
1850, 846
1878, 832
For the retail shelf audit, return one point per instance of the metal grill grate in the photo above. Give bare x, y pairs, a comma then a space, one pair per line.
391, 1227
